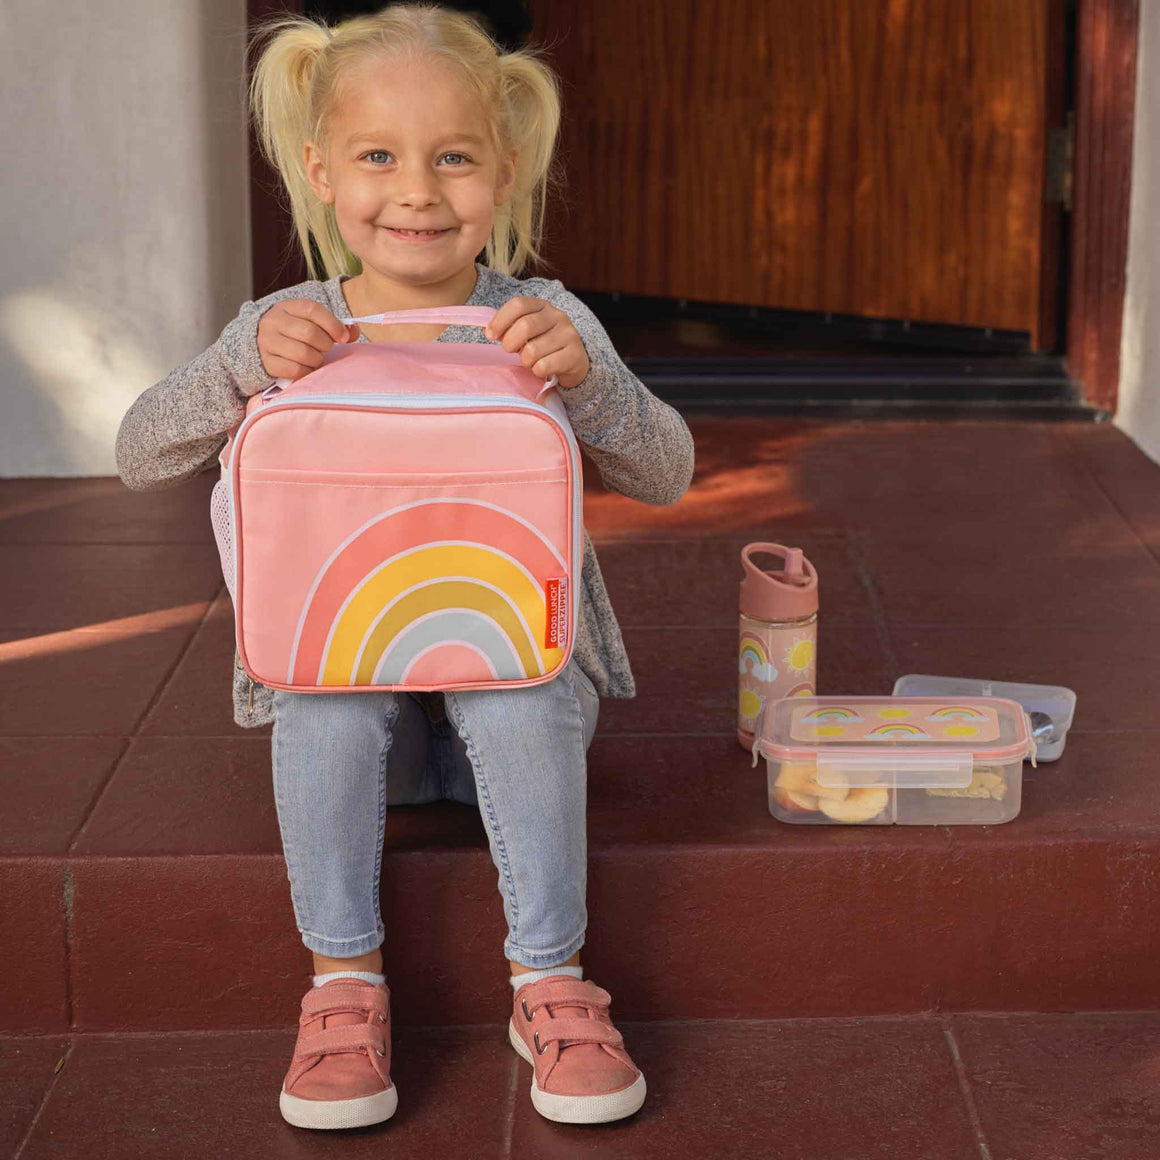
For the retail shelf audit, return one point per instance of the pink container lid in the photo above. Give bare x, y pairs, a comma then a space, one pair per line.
920, 741
788, 594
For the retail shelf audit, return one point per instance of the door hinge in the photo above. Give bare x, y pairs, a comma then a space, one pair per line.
1061, 163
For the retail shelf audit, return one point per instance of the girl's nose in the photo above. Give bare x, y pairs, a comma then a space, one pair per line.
418, 198
416, 187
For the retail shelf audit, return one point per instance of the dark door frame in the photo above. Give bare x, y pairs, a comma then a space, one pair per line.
1096, 261
1107, 35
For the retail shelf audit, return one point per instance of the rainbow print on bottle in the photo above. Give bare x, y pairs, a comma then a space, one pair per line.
772, 663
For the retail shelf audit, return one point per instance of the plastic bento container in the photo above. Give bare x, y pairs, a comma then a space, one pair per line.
1053, 702
907, 761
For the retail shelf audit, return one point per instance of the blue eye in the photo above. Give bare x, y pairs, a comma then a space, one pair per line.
383, 153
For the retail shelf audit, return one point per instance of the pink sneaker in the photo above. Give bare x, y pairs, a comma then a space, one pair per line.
583, 1075
340, 1076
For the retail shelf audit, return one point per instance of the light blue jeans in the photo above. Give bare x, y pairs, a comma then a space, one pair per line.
340, 759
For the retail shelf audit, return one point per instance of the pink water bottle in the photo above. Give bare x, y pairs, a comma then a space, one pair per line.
779, 627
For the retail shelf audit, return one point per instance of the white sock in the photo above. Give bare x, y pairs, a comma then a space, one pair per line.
519, 981
370, 977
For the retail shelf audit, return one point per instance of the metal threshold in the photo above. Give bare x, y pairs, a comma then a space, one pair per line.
899, 386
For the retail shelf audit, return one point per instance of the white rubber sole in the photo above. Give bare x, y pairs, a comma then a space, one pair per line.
579, 1109
356, 1113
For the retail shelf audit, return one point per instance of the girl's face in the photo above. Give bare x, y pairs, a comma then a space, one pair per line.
409, 151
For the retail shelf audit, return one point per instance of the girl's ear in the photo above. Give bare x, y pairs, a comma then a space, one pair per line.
315, 166
507, 177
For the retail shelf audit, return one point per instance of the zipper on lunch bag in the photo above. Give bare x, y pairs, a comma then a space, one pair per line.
426, 402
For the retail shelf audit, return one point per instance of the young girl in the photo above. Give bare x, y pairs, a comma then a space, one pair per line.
410, 144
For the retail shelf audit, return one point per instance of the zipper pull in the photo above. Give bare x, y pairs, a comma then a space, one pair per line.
275, 389
250, 707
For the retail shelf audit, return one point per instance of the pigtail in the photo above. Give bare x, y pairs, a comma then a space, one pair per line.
530, 110
285, 105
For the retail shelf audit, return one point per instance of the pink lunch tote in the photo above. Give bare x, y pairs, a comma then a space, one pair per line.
407, 516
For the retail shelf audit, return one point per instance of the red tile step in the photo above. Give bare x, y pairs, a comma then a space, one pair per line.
1036, 1087
712, 909
139, 844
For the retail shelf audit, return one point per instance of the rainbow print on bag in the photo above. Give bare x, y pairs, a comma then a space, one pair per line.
437, 580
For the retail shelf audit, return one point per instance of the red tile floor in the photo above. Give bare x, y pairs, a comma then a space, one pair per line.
792, 991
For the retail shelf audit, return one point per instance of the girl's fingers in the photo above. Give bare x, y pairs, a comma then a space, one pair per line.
538, 349
311, 333
280, 368
550, 364
294, 351
530, 318
549, 342
317, 315
532, 327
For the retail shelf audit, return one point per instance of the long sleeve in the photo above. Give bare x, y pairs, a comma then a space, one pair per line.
176, 428
641, 446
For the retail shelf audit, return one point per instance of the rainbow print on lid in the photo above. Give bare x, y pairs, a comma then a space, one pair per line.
834, 714
432, 585
898, 729
881, 721
957, 713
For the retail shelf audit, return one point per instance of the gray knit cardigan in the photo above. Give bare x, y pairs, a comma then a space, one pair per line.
640, 445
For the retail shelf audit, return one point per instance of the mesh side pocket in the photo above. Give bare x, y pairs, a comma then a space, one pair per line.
219, 514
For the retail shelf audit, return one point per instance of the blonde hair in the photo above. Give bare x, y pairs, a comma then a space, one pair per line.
298, 76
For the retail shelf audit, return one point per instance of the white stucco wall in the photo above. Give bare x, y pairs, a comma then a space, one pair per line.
125, 227
1138, 411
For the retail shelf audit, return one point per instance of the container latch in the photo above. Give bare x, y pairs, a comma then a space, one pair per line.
896, 769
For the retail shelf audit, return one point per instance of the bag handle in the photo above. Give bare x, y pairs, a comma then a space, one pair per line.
454, 315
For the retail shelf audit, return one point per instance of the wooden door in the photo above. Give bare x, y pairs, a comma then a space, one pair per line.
873, 157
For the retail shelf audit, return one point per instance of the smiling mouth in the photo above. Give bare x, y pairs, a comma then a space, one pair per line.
416, 233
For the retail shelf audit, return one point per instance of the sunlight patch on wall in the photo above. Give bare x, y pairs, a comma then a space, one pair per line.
82, 359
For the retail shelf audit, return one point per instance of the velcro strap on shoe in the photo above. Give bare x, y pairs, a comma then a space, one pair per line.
328, 999
334, 1039
570, 992
579, 1031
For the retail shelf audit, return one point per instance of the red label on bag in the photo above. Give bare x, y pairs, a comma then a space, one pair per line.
556, 598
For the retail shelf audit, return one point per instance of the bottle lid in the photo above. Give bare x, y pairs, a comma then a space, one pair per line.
788, 593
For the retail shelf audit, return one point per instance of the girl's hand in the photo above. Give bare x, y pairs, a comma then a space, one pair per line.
294, 334
545, 338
